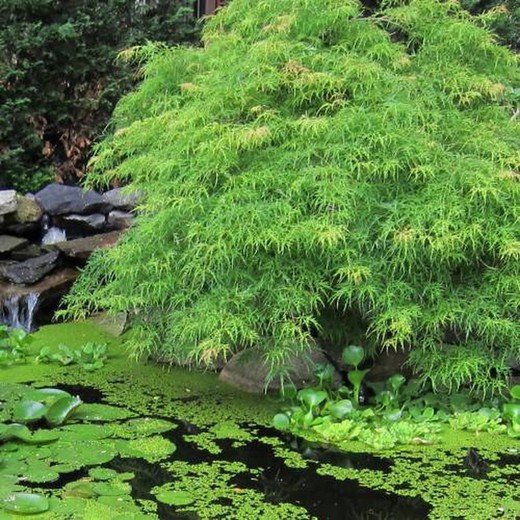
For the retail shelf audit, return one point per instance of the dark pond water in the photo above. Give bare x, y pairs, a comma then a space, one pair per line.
324, 497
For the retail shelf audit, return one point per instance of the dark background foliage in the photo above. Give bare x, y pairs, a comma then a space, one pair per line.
507, 26
60, 79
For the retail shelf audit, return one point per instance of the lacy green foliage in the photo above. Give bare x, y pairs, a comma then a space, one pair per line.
310, 157
60, 78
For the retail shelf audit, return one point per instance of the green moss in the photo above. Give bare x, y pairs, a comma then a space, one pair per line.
210, 486
152, 449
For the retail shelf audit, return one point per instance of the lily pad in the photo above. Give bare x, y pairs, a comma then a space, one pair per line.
79, 432
25, 503
102, 473
14, 431
101, 412
29, 411
60, 410
46, 395
111, 489
175, 498
43, 437
40, 471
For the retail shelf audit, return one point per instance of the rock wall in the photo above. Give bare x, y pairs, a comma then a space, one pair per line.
45, 237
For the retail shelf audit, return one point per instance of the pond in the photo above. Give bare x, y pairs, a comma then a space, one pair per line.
153, 442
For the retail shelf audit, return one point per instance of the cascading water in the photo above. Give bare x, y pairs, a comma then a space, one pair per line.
51, 235
17, 310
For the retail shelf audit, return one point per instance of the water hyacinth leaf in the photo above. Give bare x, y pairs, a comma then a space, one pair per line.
395, 382
25, 503
515, 392
341, 408
175, 498
353, 355
59, 411
356, 377
281, 421
308, 419
312, 397
512, 411
29, 411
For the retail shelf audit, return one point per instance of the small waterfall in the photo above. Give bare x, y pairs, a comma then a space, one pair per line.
17, 311
54, 235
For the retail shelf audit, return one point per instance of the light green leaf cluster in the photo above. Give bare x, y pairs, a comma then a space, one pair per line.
313, 159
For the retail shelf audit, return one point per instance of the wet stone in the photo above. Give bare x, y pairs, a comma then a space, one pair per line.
9, 243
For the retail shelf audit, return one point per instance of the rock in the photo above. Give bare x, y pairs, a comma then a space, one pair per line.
58, 199
30, 251
120, 199
113, 324
92, 222
82, 248
30, 229
120, 219
8, 201
9, 243
50, 290
27, 210
30, 271
388, 363
247, 371
57, 282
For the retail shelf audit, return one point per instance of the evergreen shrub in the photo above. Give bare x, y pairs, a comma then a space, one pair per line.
317, 169
60, 79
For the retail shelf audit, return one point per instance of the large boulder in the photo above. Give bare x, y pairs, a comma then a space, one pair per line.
8, 201
121, 199
30, 271
247, 370
9, 243
58, 199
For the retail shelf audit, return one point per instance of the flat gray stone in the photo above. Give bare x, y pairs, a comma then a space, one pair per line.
82, 248
30, 271
29, 251
9, 243
120, 199
8, 201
